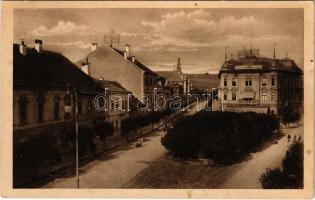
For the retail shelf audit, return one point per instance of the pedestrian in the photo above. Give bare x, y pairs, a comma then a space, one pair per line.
300, 139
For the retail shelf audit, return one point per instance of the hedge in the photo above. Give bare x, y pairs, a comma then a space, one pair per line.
221, 136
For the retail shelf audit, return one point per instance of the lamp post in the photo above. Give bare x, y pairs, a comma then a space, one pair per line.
212, 98
68, 109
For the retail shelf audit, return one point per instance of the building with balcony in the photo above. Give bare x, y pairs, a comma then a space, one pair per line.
260, 84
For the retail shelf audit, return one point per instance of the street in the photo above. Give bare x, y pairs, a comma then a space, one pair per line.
117, 168
248, 172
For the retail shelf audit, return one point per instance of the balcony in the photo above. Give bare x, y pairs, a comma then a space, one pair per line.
248, 102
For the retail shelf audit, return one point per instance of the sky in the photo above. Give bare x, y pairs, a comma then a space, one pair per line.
159, 36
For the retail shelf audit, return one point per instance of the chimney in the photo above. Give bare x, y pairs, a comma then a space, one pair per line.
128, 50
125, 55
86, 66
133, 59
23, 48
94, 46
38, 45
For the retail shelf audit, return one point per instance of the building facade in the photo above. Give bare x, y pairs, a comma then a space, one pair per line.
252, 83
118, 109
115, 65
45, 85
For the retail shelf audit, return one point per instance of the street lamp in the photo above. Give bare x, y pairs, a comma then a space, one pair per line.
68, 109
212, 98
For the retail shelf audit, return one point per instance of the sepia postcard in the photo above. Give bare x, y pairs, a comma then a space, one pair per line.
157, 99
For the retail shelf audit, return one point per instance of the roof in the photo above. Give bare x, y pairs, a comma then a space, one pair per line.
267, 64
48, 69
113, 86
204, 81
137, 62
170, 75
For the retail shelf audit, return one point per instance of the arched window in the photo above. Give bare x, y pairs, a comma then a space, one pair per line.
40, 105
23, 103
56, 107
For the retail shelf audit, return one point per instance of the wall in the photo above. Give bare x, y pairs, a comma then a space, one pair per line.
106, 63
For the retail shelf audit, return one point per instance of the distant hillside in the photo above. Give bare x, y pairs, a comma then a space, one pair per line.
204, 81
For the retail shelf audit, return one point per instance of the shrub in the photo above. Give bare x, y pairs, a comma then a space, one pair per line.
221, 136
292, 174
274, 179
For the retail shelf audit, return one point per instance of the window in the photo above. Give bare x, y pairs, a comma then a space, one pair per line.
264, 97
248, 82
233, 81
56, 107
233, 97
273, 96
23, 103
40, 108
264, 82
225, 82
273, 81
225, 96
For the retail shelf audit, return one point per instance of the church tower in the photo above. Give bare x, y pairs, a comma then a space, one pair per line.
178, 67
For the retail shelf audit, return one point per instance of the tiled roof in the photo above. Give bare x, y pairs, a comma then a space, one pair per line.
113, 86
204, 81
49, 69
170, 75
268, 64
137, 62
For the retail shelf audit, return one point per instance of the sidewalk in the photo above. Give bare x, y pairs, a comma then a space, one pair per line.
116, 168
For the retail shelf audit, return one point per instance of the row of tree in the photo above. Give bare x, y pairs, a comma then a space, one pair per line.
133, 124
223, 137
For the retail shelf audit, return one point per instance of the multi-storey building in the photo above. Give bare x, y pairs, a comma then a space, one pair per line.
258, 84
47, 88
115, 65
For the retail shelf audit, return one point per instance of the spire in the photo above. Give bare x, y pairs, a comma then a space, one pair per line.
178, 68
226, 53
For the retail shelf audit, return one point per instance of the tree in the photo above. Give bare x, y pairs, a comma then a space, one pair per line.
292, 174
104, 130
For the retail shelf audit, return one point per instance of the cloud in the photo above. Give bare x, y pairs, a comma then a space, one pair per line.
78, 44
62, 28
198, 26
